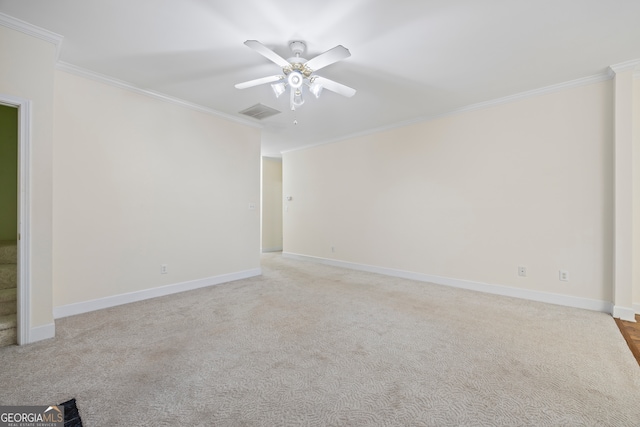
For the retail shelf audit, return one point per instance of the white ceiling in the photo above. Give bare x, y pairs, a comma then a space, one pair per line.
410, 59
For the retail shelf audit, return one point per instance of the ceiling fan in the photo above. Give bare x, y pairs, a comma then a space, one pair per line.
297, 72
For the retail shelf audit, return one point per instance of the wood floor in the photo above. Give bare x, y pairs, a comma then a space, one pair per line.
631, 333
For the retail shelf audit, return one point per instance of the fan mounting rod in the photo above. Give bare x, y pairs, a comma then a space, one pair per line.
297, 47
297, 63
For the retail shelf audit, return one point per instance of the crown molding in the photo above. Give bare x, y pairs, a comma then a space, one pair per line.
32, 30
597, 78
111, 81
56, 39
633, 65
535, 92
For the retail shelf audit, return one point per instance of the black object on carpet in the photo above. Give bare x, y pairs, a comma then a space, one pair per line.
71, 414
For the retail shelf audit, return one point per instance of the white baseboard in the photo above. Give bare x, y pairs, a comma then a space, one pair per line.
276, 249
624, 313
112, 301
43, 332
565, 300
636, 307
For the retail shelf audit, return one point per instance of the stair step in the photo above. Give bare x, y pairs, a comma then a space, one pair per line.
8, 337
8, 307
7, 322
8, 252
8, 276
8, 295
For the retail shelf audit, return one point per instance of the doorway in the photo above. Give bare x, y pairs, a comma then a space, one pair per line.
271, 239
8, 225
15, 117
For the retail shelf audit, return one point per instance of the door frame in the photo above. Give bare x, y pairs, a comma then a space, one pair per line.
24, 215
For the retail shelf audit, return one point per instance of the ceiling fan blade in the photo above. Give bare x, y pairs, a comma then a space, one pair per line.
329, 57
336, 87
267, 53
256, 82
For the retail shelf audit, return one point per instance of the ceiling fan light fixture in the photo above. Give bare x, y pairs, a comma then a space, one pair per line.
316, 89
298, 72
279, 88
295, 79
296, 98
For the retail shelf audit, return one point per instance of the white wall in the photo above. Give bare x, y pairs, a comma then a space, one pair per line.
271, 204
470, 196
139, 182
26, 72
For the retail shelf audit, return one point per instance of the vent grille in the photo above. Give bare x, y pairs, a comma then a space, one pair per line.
260, 112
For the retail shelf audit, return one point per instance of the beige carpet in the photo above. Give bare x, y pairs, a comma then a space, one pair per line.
313, 345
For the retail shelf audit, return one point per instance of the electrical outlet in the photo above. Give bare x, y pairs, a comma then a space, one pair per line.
522, 271
563, 275
163, 269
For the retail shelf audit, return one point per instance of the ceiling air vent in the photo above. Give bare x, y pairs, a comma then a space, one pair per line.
260, 112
